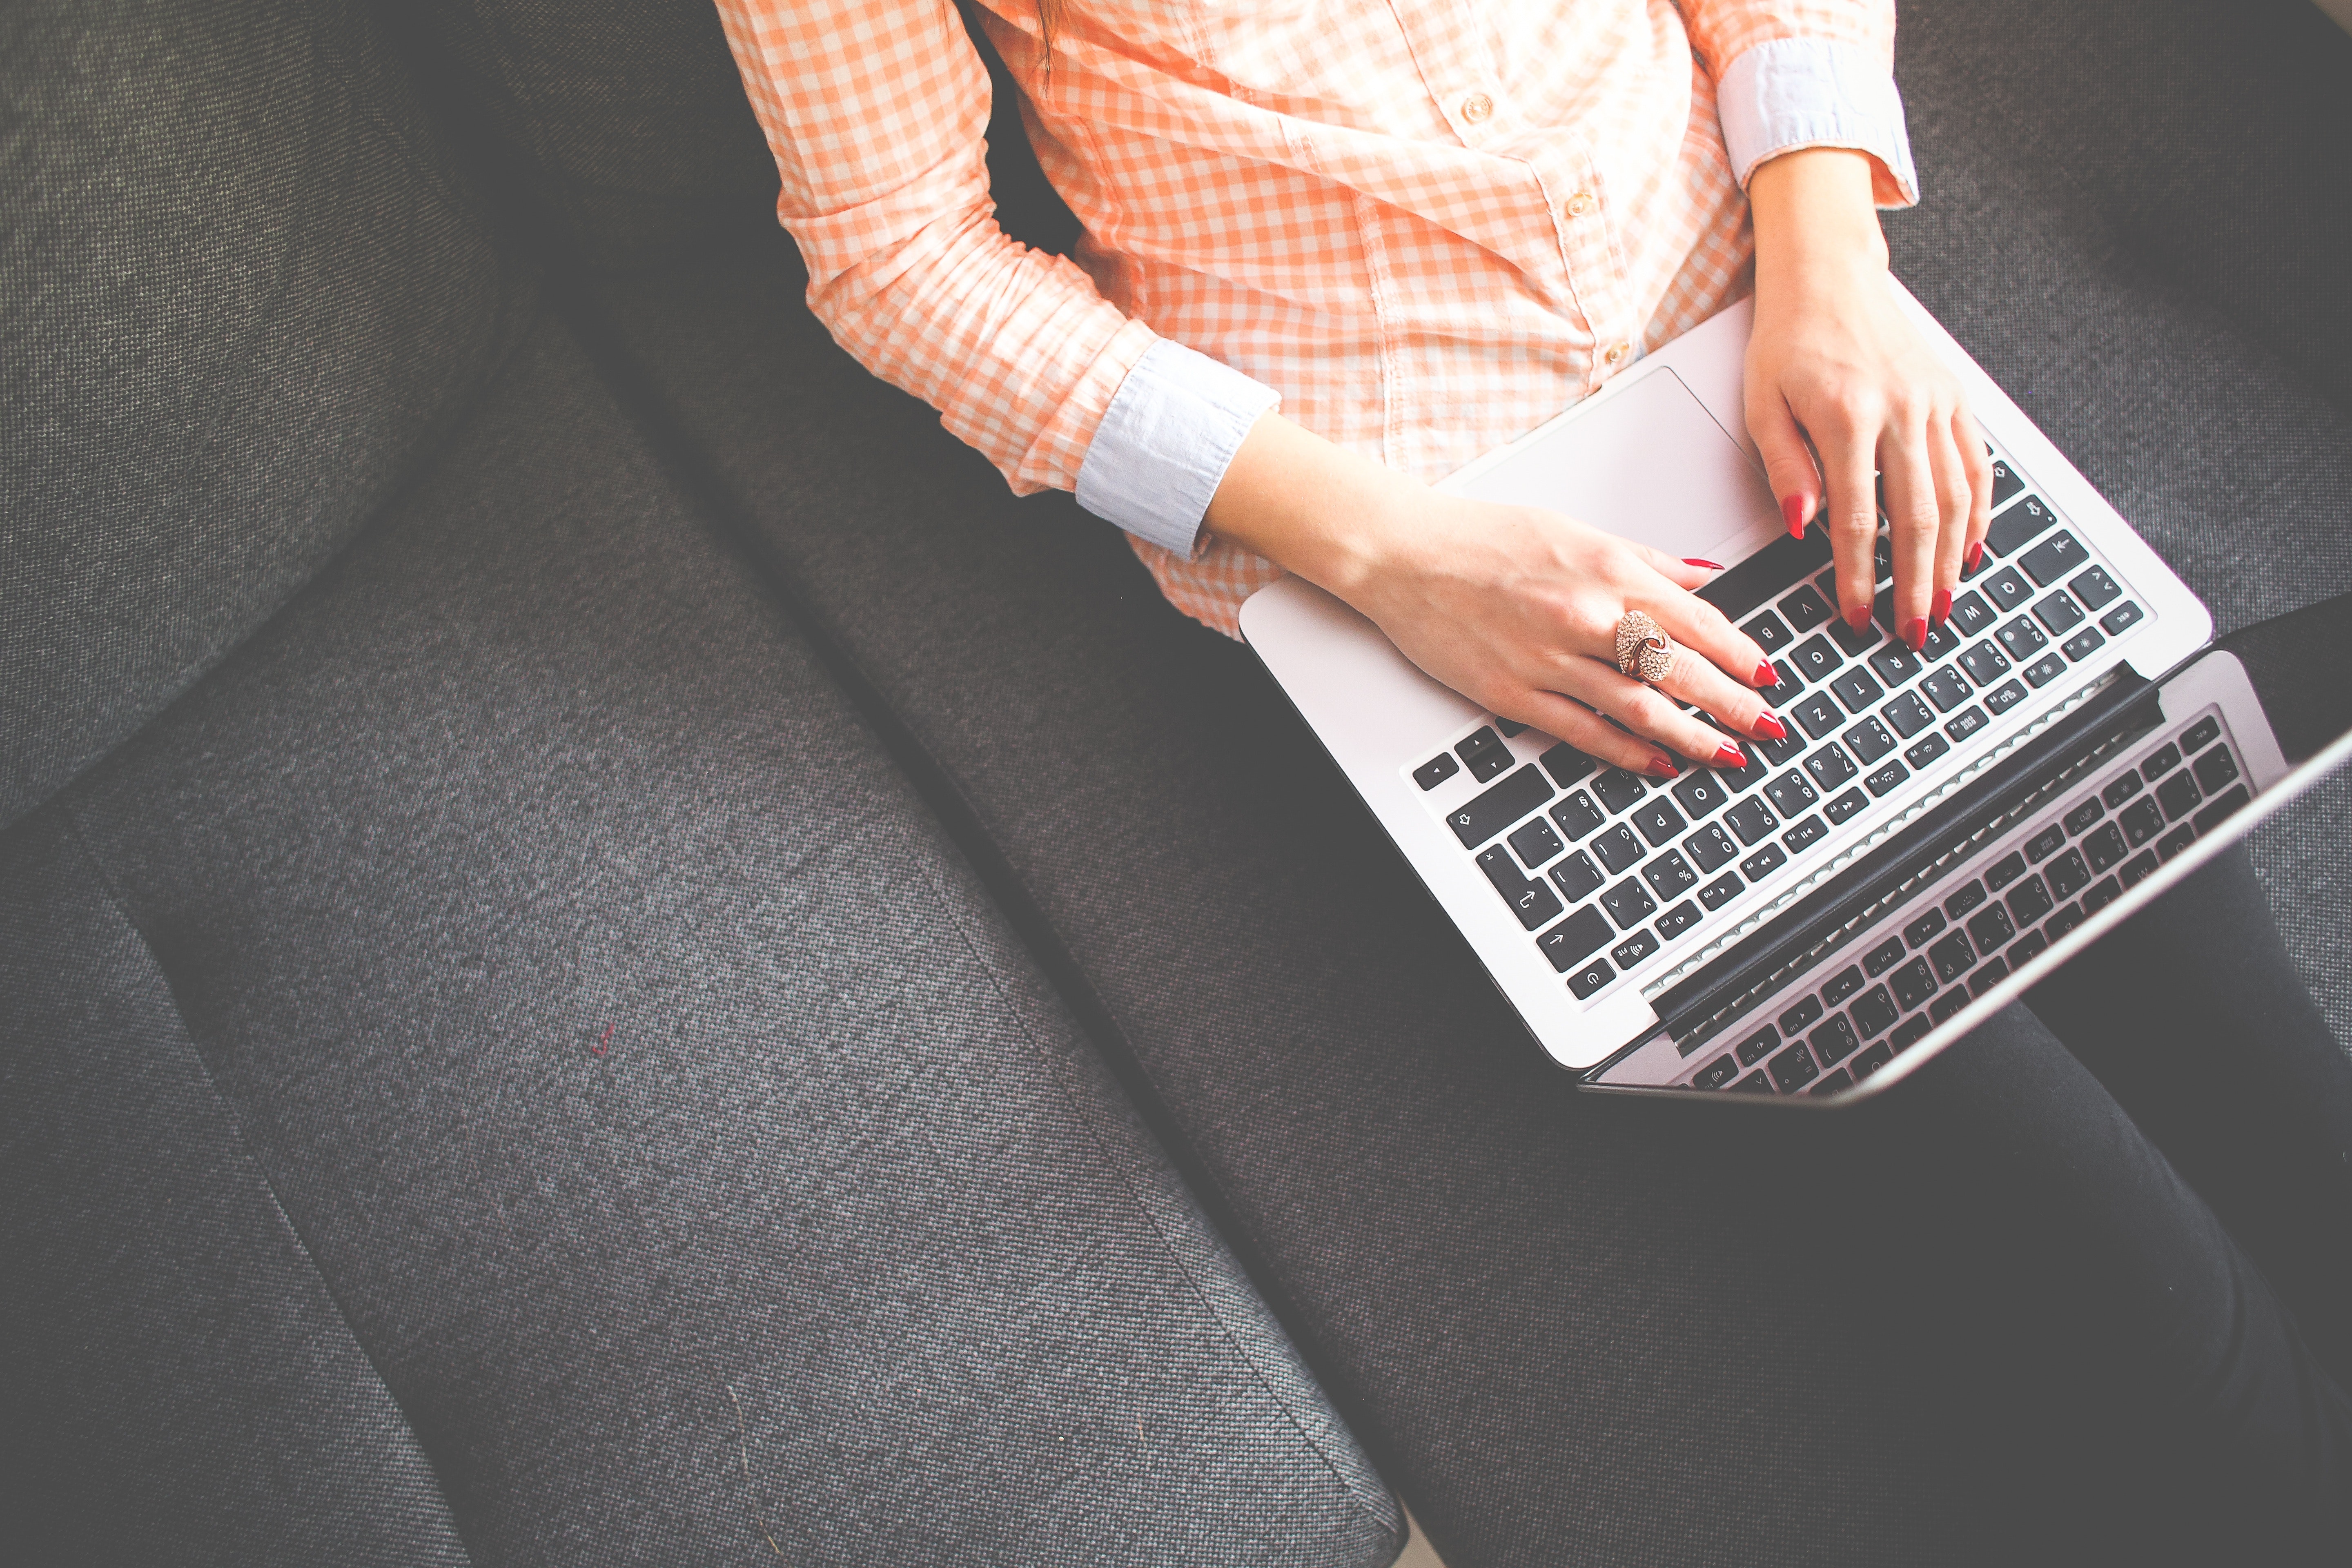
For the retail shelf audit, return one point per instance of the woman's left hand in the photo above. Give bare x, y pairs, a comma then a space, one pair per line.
1835, 358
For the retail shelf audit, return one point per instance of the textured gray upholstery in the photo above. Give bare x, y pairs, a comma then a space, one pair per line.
654, 1102
242, 291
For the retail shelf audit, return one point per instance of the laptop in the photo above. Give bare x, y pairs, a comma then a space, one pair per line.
1939, 830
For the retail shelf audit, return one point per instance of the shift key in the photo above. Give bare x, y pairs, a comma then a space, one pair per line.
1500, 807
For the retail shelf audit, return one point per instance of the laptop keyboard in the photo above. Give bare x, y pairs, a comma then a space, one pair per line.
1617, 878
1926, 960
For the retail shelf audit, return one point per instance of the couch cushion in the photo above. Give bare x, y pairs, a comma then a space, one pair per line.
674, 1125
242, 291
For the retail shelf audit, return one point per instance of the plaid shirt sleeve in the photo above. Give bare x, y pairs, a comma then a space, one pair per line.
1792, 74
875, 110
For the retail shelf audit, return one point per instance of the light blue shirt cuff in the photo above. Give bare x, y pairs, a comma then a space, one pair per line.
1812, 92
1165, 442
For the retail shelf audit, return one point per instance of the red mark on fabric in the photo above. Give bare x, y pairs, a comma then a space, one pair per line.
598, 1048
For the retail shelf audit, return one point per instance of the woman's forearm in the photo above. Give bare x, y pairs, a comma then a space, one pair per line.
1816, 221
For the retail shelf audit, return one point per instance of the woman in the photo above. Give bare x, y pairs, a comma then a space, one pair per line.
1334, 251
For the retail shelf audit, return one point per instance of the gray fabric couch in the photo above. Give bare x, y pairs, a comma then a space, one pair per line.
609, 953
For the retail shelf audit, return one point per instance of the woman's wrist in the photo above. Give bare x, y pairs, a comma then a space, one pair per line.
1314, 509
1816, 223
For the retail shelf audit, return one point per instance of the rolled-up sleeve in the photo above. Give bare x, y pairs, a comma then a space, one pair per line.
1819, 74
876, 112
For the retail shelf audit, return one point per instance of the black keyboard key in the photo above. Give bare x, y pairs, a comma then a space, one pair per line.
1827, 586
1795, 1020
1634, 949
2121, 618
1886, 778
1914, 984
2137, 869
1985, 979
1754, 1083
2045, 670
2004, 871
2007, 590
1752, 820
1756, 1047
2030, 902
1711, 849
1510, 727
1921, 931
1701, 792
2082, 644
1946, 690
1484, 753
1929, 749
1844, 805
1805, 835
1770, 632
1658, 821
2025, 950
2020, 639
1942, 641
1774, 754
1535, 903
1873, 1013
1793, 1069
1984, 664
1770, 571
2005, 482
1879, 1054
2101, 894
2200, 735
1834, 1040
1894, 664
1618, 789
1577, 877
2120, 790
2174, 842
1907, 714
1500, 807
1869, 742
2215, 768
1590, 978
1814, 658
2068, 876
1764, 862
2019, 523
1676, 920
1720, 891
1952, 957
2064, 920
1805, 610
2003, 697
1817, 714
1618, 849
2142, 820
1566, 765
2103, 847
2094, 587
1964, 901
2178, 796
2059, 612
1436, 771
2053, 559
1972, 616
1789, 795
1786, 684
1841, 985
1883, 957
1990, 928
1830, 767
2221, 808
1670, 874
1857, 691
1535, 844
2161, 761
1947, 1006
1854, 643
2084, 815
1629, 904
1577, 815
1575, 938
1717, 1073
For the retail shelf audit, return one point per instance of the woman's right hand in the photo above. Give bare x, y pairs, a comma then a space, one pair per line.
1513, 608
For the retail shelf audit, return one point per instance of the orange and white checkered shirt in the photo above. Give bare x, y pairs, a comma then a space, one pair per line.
1424, 226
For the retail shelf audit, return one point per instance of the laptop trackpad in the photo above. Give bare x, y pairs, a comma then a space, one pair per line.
1649, 464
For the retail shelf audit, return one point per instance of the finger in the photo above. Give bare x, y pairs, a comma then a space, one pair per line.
1580, 727
1978, 460
1699, 625
1642, 709
1788, 461
1955, 498
1848, 458
1913, 518
1700, 683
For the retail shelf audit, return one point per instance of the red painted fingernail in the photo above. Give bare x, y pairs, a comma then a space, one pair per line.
1763, 676
1794, 508
1768, 727
1662, 769
1727, 756
1858, 617
1942, 611
1703, 565
1976, 554
1916, 634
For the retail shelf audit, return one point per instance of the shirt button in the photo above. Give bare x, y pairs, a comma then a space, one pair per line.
1617, 352
1580, 204
1477, 107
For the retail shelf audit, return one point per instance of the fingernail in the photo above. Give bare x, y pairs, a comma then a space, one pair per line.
1976, 554
1942, 611
1916, 634
1662, 769
1703, 565
1729, 756
1793, 508
1764, 676
1858, 617
1768, 727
